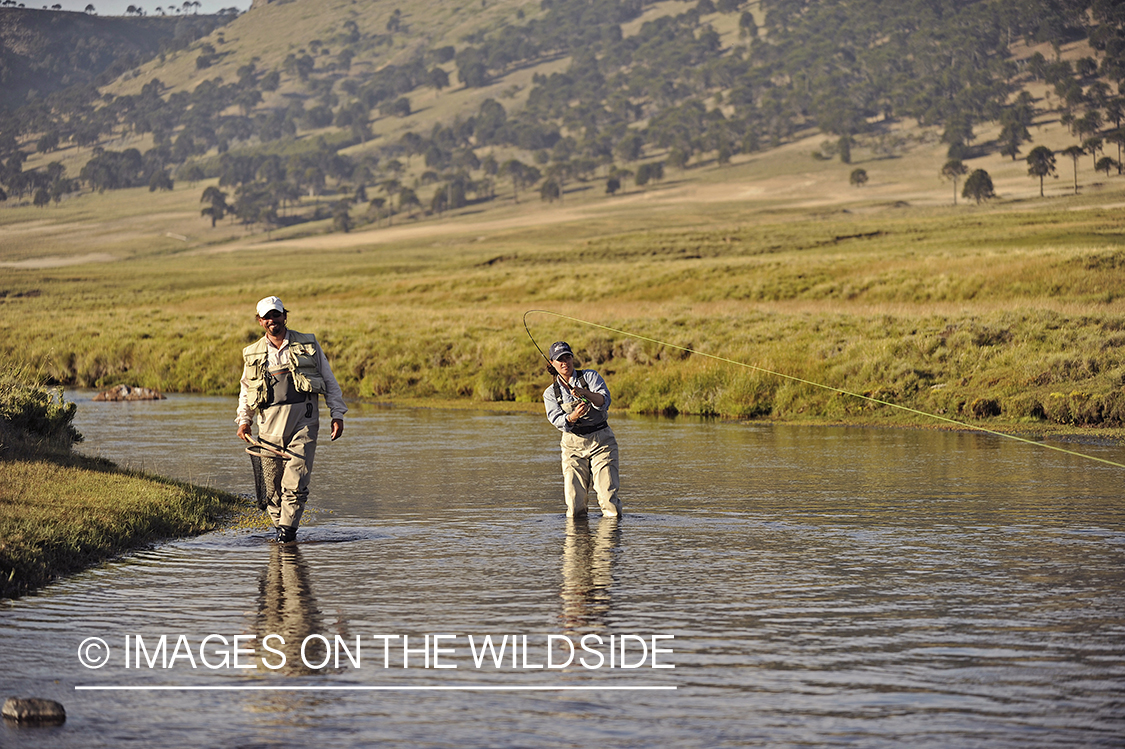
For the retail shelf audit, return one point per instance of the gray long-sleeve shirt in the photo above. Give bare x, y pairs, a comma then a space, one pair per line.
558, 408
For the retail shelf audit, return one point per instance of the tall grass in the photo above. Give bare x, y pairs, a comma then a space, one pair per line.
1011, 314
33, 419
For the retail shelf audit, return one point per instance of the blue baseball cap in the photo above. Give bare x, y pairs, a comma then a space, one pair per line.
558, 350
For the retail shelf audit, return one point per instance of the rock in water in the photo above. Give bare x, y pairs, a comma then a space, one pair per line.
33, 710
127, 393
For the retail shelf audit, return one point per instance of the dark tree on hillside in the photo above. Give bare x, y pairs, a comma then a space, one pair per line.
520, 174
437, 78
408, 200
550, 190
341, 219
958, 134
471, 68
1041, 163
160, 180
1115, 110
218, 207
49, 142
1014, 123
978, 186
953, 170
1075, 153
1117, 137
747, 28
858, 177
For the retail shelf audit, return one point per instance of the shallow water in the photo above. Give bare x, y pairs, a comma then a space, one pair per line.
814, 586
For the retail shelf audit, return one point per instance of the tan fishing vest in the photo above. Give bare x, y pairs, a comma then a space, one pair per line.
302, 368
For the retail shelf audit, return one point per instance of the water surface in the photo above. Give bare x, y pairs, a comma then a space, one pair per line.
816, 586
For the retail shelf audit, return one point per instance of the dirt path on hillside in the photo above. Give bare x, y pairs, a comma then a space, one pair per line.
384, 235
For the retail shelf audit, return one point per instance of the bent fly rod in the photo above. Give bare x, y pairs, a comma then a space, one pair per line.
822, 386
550, 366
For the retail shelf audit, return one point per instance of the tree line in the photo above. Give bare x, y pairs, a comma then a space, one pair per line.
672, 88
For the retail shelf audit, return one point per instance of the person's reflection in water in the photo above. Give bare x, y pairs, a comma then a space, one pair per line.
587, 573
286, 607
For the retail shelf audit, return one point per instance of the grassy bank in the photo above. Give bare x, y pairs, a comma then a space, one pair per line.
1010, 314
60, 518
61, 513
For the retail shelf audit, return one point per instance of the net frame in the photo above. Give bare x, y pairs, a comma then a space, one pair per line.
268, 467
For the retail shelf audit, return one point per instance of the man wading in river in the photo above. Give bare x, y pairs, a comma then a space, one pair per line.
282, 374
577, 404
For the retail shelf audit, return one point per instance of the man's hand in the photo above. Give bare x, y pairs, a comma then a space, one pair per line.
243, 432
337, 429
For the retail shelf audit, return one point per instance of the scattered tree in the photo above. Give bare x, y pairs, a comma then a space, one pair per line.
1041, 163
341, 219
1075, 153
978, 186
953, 170
1093, 146
1117, 137
858, 177
550, 190
218, 207
747, 27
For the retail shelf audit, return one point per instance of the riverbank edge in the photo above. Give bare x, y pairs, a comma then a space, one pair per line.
68, 513
1032, 429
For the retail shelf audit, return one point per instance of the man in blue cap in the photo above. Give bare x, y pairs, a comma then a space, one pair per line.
577, 403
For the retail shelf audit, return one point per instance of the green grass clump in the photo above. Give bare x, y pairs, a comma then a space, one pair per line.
33, 419
60, 512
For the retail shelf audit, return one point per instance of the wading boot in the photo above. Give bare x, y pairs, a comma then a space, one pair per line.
286, 534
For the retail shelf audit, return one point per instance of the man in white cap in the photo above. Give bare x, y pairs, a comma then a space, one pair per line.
282, 375
577, 404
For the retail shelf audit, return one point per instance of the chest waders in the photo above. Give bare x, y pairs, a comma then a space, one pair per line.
589, 460
289, 416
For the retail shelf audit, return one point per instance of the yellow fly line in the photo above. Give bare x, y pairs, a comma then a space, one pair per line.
725, 360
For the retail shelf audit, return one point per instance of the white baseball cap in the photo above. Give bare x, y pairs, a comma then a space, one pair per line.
269, 304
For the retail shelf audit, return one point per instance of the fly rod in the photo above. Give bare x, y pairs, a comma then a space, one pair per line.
811, 383
550, 366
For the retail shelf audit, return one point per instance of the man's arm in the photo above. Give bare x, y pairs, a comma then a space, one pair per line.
333, 396
244, 417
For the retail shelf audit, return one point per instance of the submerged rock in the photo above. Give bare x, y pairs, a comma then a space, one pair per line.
34, 711
127, 393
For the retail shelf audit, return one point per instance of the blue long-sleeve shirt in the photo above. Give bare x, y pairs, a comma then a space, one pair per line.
558, 408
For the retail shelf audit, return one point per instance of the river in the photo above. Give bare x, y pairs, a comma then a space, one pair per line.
767, 586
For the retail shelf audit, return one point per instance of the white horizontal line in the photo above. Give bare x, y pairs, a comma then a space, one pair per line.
468, 688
